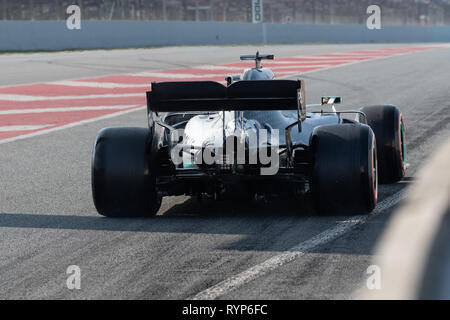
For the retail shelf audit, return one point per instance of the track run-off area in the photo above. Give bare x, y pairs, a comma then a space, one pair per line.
27, 110
51, 108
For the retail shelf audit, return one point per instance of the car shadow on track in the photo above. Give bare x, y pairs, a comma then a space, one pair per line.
280, 222
234, 207
182, 209
185, 215
266, 232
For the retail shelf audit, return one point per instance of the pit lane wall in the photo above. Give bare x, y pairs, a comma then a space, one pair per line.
54, 35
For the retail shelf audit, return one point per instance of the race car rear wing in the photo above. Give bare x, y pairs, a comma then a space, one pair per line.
213, 96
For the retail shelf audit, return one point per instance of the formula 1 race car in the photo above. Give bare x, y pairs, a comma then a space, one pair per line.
253, 136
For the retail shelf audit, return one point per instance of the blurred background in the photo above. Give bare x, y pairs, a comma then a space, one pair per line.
394, 12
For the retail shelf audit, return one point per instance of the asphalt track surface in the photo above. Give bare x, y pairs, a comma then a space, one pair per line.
223, 250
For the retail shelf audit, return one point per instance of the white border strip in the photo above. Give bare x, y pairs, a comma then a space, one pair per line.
70, 125
22, 128
93, 84
177, 75
19, 97
69, 109
358, 62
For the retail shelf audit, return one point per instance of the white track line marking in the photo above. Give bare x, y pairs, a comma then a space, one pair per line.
299, 66
92, 84
281, 62
69, 109
350, 63
22, 128
300, 249
212, 67
313, 57
283, 74
177, 75
70, 125
19, 97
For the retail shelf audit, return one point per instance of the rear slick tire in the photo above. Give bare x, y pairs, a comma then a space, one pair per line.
344, 175
123, 184
387, 123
